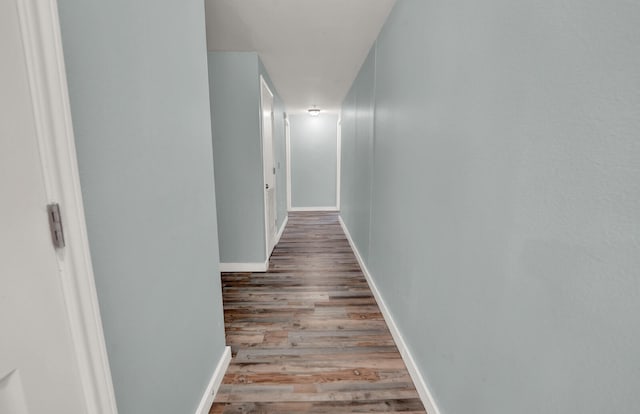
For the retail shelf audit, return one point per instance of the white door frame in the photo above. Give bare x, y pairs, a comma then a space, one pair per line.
269, 241
287, 141
40, 28
338, 160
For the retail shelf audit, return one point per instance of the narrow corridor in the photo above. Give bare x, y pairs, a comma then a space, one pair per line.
308, 336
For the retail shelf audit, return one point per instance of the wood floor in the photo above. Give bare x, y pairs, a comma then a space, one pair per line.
307, 336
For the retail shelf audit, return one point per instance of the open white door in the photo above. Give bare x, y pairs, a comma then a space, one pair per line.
266, 104
52, 357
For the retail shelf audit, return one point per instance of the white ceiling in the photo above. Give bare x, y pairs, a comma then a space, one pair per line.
312, 49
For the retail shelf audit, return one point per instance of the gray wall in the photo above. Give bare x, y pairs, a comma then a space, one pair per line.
357, 156
137, 74
506, 205
234, 81
313, 160
235, 104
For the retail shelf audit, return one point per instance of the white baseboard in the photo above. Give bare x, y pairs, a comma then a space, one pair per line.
284, 224
414, 372
314, 209
214, 383
244, 267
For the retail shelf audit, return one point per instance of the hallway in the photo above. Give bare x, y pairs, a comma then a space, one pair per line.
308, 336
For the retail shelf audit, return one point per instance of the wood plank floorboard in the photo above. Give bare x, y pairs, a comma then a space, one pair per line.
307, 336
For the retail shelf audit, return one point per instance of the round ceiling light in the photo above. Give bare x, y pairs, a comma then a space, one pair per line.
314, 111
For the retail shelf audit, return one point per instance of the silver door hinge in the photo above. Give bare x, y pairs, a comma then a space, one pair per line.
55, 224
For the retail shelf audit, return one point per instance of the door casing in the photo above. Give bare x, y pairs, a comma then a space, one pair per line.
42, 44
268, 163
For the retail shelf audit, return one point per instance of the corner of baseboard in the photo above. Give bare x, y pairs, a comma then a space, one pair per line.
214, 382
245, 267
421, 385
311, 209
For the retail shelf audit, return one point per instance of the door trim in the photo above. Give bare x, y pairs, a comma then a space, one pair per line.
338, 159
42, 45
269, 243
287, 143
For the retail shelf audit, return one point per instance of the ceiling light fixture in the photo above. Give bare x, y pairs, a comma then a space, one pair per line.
314, 111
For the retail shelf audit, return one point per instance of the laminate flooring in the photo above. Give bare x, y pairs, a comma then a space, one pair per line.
307, 336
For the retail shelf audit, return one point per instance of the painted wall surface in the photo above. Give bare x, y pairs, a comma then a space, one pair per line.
279, 147
313, 149
137, 74
357, 155
506, 205
235, 105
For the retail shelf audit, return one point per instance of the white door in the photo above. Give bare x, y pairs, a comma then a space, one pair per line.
266, 99
39, 371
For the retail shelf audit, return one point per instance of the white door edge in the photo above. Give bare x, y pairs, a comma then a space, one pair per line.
338, 160
269, 239
287, 138
40, 28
